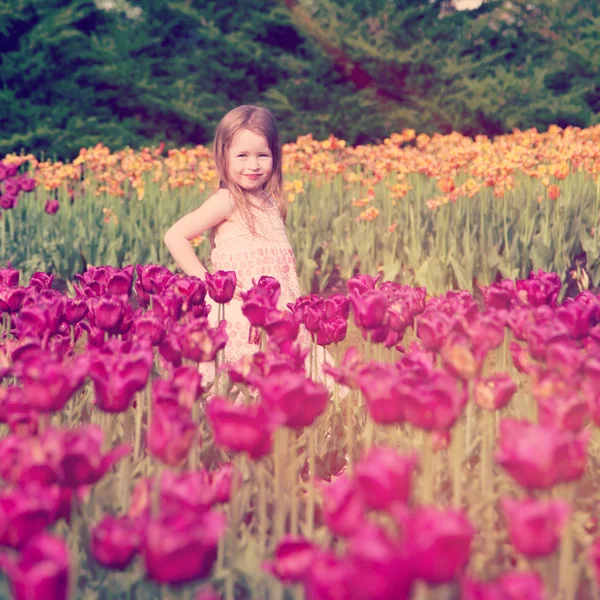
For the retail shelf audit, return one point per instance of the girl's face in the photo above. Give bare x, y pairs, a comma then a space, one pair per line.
250, 161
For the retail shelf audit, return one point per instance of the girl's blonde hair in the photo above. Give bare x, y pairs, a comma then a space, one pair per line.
259, 120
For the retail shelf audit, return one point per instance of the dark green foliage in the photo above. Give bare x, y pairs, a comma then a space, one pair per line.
73, 75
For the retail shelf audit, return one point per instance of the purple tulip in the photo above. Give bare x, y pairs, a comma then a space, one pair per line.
221, 285
370, 309
115, 541
9, 277
52, 207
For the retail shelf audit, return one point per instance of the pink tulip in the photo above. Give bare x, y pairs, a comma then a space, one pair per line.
221, 285
119, 375
82, 461
9, 277
221, 482
172, 433
52, 207
432, 329
108, 312
295, 400
11, 299
153, 279
169, 538
564, 411
538, 457
42, 570
370, 309
380, 385
199, 342
495, 391
384, 477
150, 326
439, 543
516, 585
380, 567
281, 325
41, 281
191, 491
192, 289
535, 526
25, 513
435, 403
260, 299
343, 506
293, 558
500, 295
539, 288
347, 373
241, 428
329, 578
361, 283
115, 541
48, 384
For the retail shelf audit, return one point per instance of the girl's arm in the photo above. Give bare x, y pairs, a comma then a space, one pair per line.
213, 211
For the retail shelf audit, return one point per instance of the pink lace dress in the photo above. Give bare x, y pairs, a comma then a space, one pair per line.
251, 256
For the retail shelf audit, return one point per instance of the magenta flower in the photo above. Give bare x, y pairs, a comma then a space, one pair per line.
293, 558
9, 277
385, 477
535, 526
370, 309
281, 325
295, 400
432, 329
343, 506
329, 578
439, 543
221, 285
172, 433
347, 373
241, 428
52, 206
190, 491
380, 385
169, 538
115, 541
199, 342
495, 391
42, 570
538, 457
108, 312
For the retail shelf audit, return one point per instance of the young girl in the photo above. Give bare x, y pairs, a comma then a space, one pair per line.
246, 217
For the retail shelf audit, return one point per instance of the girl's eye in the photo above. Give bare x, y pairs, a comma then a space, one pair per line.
241, 155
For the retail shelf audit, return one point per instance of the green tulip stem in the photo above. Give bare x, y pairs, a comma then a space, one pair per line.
349, 430
74, 546
139, 413
488, 435
324, 361
235, 509
310, 365
126, 464
596, 204
456, 459
294, 494
156, 489
194, 456
470, 415
281, 438
566, 587
312, 458
262, 509
427, 470
505, 223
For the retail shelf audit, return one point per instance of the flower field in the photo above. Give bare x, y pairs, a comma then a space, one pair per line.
450, 452
455, 457
434, 211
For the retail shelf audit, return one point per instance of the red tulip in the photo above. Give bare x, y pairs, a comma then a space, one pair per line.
535, 526
343, 506
295, 400
293, 558
439, 543
182, 548
241, 428
42, 570
495, 391
172, 433
115, 541
539, 457
221, 285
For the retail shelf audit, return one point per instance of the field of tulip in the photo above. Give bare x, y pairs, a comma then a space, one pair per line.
454, 458
430, 211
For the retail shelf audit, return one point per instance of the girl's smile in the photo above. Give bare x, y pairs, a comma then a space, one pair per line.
250, 160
